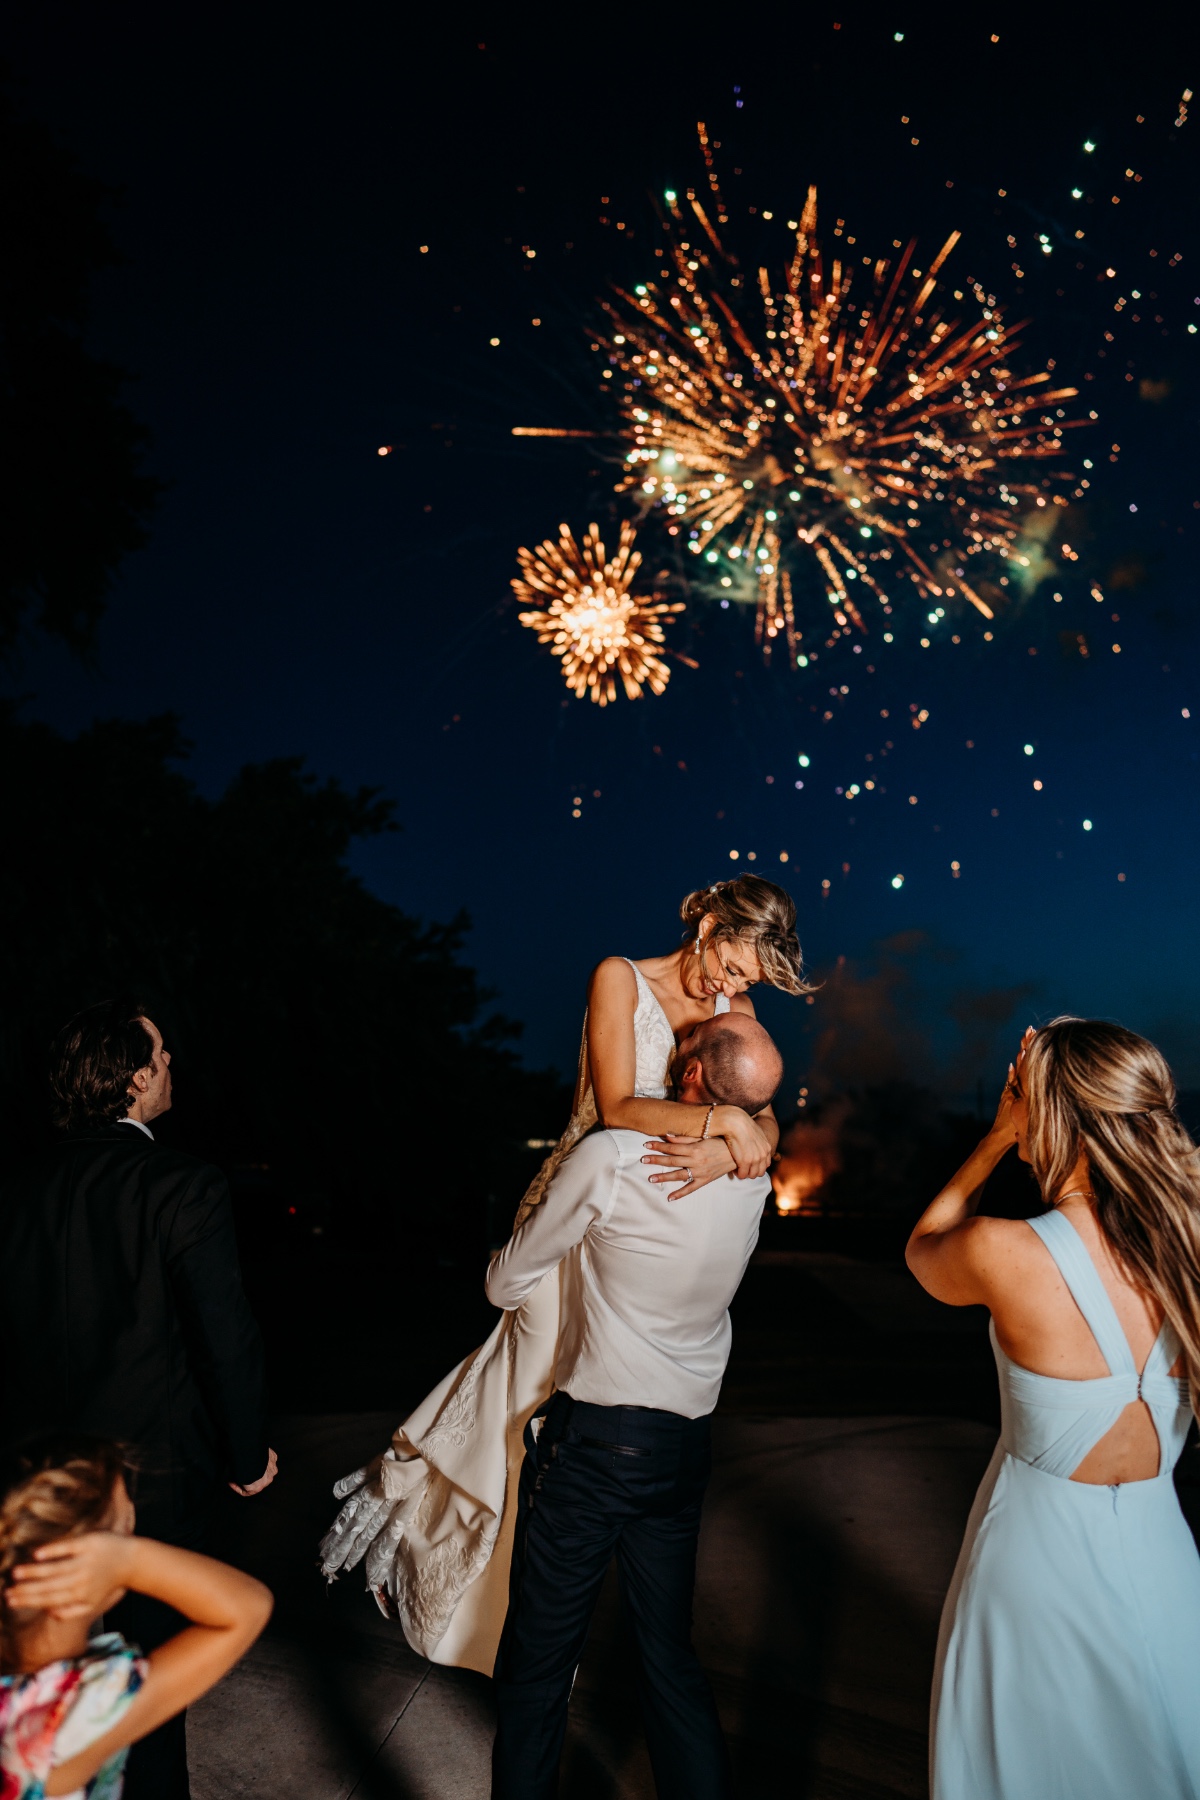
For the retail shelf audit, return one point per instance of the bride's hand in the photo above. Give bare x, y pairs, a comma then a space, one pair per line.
695, 1161
749, 1144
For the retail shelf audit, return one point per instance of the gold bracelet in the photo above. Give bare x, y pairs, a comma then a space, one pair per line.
708, 1121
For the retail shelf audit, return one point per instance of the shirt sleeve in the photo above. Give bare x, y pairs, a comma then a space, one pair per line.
579, 1196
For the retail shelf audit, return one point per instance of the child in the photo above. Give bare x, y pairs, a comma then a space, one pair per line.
72, 1702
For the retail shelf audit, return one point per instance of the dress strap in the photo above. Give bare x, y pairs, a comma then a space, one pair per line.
643, 986
720, 1005
1089, 1293
1164, 1352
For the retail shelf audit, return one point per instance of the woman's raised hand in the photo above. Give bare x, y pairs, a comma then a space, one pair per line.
694, 1161
75, 1577
1003, 1125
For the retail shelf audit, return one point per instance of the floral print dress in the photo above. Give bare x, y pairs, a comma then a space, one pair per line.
50, 1716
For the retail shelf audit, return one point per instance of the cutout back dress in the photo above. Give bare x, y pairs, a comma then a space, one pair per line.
1068, 1664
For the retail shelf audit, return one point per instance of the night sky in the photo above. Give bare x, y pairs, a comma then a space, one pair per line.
277, 173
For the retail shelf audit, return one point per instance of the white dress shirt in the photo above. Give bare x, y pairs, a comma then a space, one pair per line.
647, 1281
137, 1125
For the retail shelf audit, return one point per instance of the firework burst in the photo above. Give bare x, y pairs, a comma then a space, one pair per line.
592, 621
806, 440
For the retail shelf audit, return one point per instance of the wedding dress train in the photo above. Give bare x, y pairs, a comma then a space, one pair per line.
432, 1518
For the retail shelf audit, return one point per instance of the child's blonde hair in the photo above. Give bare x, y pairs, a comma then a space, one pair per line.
53, 1486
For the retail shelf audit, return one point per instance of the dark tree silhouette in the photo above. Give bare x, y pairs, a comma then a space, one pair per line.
76, 499
319, 1033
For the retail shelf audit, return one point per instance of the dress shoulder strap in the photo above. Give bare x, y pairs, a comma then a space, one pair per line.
1089, 1293
720, 1005
643, 986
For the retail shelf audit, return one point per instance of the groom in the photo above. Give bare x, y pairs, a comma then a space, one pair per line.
623, 1455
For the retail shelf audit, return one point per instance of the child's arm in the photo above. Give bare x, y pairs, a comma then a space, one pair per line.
227, 1610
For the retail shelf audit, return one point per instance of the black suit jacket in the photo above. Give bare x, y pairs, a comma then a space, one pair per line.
122, 1313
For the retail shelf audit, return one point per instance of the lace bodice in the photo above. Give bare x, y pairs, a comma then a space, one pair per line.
654, 1046
653, 1041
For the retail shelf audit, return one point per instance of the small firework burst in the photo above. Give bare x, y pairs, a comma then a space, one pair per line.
592, 620
809, 440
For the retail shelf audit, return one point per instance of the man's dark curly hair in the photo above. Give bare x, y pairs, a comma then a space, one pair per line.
93, 1060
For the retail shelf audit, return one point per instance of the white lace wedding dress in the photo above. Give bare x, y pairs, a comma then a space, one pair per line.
432, 1518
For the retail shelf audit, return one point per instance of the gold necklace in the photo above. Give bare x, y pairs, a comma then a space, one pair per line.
1074, 1194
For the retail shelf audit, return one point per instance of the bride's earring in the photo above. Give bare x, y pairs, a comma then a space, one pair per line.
696, 951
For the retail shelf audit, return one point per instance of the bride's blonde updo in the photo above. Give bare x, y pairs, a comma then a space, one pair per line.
759, 914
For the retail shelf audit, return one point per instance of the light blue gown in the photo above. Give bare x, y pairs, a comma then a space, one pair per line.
1068, 1663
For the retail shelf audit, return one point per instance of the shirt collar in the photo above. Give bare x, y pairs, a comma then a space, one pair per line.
138, 1126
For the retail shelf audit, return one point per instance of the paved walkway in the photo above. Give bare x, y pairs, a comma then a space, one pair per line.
827, 1547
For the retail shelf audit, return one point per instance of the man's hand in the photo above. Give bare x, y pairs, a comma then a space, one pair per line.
75, 1577
264, 1480
695, 1161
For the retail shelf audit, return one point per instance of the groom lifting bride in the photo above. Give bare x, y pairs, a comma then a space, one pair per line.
580, 1429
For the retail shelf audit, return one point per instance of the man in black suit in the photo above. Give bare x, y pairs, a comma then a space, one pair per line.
122, 1313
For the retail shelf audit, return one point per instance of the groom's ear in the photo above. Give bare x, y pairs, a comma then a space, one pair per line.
693, 1072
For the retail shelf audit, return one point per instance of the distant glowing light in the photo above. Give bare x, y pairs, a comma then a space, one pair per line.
804, 760
1089, 146
897, 881
1028, 749
384, 450
1087, 824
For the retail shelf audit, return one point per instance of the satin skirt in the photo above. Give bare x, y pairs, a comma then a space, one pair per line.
1068, 1663
432, 1520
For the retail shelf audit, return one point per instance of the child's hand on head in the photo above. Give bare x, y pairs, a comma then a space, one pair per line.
75, 1577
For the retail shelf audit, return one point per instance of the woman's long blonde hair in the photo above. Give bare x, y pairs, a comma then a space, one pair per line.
758, 913
1098, 1089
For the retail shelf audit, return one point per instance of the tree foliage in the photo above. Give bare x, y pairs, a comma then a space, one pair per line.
76, 499
318, 1031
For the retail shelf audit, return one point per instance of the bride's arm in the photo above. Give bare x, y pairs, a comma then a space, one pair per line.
612, 1063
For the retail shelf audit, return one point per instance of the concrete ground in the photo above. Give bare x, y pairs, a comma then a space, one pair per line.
827, 1546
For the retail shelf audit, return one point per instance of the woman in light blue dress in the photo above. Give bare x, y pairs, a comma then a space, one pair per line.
1068, 1664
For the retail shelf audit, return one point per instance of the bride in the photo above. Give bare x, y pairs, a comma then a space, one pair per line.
432, 1518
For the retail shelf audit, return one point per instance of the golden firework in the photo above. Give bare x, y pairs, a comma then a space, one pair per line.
583, 608
790, 429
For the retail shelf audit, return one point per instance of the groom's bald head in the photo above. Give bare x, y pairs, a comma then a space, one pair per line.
732, 1060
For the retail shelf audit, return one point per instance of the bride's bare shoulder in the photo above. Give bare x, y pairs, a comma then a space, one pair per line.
611, 979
